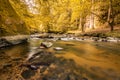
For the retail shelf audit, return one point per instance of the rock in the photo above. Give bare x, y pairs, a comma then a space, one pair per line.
30, 66
39, 35
111, 39
104, 40
67, 38
19, 41
4, 43
71, 38
79, 39
58, 48
53, 39
95, 38
27, 74
42, 47
33, 48
64, 39
33, 67
46, 44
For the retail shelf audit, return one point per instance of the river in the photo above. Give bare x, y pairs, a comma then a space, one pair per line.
91, 60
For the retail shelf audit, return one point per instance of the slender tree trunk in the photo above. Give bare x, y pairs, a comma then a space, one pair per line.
112, 28
82, 29
110, 19
80, 23
92, 16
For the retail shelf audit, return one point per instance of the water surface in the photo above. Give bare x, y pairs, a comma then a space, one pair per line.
94, 60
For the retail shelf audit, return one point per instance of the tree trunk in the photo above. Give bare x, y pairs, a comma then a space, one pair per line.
112, 28
92, 21
80, 24
110, 19
92, 16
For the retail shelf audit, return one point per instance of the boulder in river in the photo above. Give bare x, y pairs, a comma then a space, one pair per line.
46, 44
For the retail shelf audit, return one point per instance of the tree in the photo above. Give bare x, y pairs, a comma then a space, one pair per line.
92, 15
110, 19
108, 10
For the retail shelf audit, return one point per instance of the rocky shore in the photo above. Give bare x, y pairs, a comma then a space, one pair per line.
83, 37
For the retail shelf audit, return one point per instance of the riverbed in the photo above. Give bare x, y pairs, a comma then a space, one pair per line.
79, 60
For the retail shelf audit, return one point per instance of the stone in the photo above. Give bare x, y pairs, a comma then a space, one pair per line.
58, 48
33, 67
19, 41
64, 39
27, 74
95, 38
104, 40
46, 44
4, 43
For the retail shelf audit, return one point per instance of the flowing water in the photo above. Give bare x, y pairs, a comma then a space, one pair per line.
94, 60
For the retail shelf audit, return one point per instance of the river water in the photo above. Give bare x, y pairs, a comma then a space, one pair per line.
94, 60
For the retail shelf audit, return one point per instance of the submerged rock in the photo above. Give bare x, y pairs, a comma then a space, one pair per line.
58, 48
